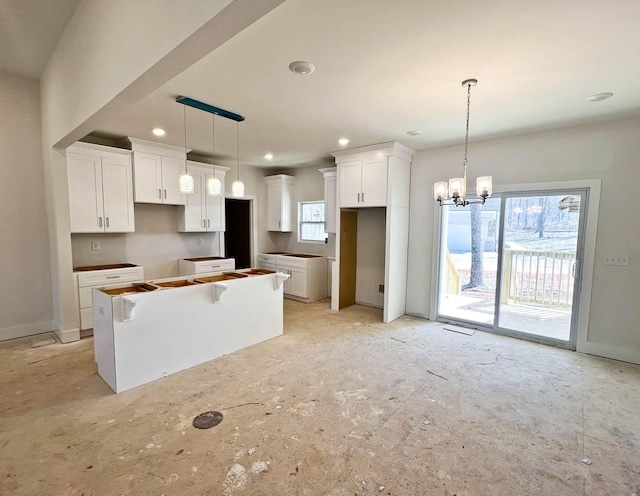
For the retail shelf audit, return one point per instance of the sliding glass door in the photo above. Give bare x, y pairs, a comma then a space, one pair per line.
513, 265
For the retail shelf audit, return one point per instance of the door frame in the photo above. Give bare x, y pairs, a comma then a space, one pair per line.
592, 186
253, 234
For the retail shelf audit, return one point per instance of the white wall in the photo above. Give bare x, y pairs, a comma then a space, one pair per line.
609, 151
25, 292
370, 268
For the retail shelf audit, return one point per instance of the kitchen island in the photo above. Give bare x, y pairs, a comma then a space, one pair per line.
146, 331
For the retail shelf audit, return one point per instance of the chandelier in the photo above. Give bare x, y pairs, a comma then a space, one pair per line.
455, 192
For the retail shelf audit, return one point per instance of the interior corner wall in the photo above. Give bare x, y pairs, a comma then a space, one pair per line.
608, 151
25, 292
308, 186
370, 271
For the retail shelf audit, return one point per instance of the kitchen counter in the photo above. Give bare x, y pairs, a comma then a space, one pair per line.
143, 332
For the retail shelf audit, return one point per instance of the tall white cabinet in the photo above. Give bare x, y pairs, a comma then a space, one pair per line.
279, 203
156, 171
203, 212
377, 176
100, 189
330, 175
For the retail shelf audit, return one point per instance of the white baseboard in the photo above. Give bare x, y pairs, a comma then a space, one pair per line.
68, 335
26, 330
624, 354
370, 305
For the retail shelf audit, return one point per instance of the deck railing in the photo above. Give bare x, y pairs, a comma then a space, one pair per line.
544, 277
453, 276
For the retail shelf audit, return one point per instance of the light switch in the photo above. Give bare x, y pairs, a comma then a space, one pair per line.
200, 241
95, 245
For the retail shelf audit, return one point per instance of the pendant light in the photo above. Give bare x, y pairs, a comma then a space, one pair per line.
186, 182
214, 185
456, 192
237, 189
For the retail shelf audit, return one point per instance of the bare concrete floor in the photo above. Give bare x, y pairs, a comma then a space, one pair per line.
340, 405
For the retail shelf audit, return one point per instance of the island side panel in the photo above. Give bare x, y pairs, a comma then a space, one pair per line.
103, 343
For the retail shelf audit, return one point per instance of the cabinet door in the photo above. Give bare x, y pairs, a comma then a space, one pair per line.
330, 205
194, 210
85, 193
171, 170
350, 174
274, 206
374, 183
117, 195
214, 211
147, 178
298, 283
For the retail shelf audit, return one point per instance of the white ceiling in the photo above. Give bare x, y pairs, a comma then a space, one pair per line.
387, 67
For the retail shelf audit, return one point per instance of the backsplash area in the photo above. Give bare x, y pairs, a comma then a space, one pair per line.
156, 245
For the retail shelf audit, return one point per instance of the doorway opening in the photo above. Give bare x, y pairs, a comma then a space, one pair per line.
513, 264
237, 237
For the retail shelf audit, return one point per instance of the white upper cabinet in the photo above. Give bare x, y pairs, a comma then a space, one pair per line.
203, 212
364, 178
363, 182
330, 199
156, 172
279, 203
100, 189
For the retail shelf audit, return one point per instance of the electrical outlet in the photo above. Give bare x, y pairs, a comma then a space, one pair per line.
95, 245
616, 259
380, 288
200, 241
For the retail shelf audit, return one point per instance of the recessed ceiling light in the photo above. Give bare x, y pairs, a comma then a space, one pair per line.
598, 97
301, 67
415, 132
158, 131
343, 141
269, 156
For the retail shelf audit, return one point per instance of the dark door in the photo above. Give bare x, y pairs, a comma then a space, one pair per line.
237, 237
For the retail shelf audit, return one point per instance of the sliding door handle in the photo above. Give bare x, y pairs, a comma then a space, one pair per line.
575, 270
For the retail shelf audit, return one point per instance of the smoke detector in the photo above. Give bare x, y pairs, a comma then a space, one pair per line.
301, 67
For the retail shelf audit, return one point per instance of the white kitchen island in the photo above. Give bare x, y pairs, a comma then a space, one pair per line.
147, 331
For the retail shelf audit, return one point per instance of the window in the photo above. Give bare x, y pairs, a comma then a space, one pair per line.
311, 222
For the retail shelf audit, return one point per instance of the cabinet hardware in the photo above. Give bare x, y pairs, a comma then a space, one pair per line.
208, 223
358, 197
107, 221
99, 221
165, 194
215, 266
362, 197
160, 193
113, 277
204, 223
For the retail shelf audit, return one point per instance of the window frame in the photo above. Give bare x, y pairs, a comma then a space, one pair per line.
301, 222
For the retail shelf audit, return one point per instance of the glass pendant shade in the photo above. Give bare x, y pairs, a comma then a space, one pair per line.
440, 190
237, 189
484, 186
457, 187
187, 184
214, 186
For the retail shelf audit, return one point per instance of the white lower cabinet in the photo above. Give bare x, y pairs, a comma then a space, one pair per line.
307, 274
87, 278
203, 265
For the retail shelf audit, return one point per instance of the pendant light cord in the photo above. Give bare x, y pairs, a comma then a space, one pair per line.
466, 143
238, 148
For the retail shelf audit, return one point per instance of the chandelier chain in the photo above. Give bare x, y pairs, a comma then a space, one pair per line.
466, 136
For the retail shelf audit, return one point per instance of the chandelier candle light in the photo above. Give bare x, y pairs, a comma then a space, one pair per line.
457, 186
